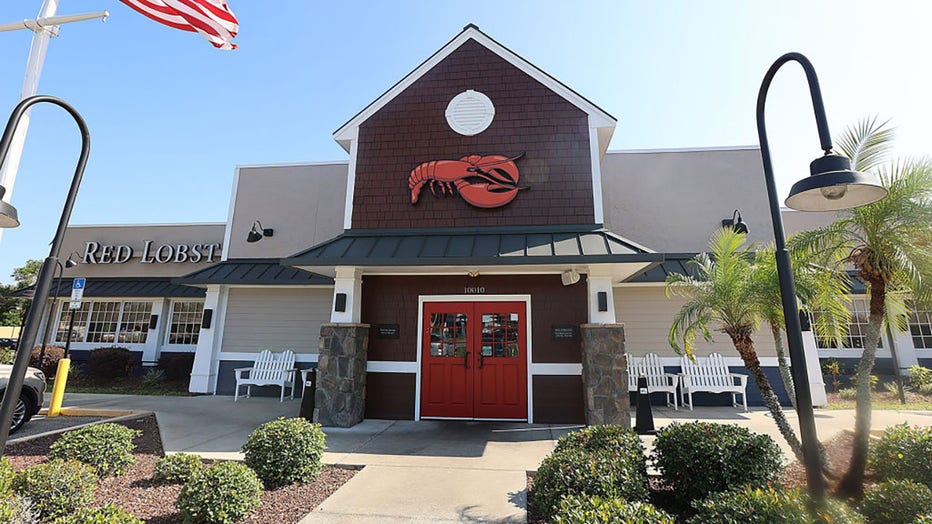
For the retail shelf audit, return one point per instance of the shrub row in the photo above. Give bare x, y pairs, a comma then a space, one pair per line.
904, 453
108, 363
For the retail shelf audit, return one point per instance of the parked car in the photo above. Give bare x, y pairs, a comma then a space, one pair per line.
30, 398
8, 343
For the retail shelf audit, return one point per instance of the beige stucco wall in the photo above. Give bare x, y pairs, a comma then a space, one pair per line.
672, 201
134, 236
275, 318
648, 314
302, 203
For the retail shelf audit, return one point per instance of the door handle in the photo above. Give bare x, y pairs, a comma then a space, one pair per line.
466, 360
481, 357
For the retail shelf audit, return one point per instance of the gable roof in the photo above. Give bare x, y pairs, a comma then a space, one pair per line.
598, 118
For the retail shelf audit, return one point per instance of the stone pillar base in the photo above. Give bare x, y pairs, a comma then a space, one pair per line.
340, 398
605, 374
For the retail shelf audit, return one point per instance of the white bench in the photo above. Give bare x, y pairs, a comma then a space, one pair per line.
657, 379
269, 369
711, 375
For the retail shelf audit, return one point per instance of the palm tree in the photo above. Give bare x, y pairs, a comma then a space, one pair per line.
820, 286
888, 245
724, 294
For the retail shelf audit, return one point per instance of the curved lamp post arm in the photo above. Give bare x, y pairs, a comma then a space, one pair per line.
807, 428
44, 281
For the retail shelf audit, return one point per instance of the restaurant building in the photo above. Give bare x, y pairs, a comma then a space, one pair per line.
451, 265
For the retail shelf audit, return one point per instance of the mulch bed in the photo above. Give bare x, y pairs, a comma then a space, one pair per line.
155, 503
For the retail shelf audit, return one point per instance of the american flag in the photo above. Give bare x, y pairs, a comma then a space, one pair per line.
211, 18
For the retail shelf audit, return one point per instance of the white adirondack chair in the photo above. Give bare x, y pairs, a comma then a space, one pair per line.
269, 369
657, 379
711, 375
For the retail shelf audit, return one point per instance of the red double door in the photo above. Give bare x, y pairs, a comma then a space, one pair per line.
474, 360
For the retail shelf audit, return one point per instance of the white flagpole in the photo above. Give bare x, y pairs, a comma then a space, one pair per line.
44, 27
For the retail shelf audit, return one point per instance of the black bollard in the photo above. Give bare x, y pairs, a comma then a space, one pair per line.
307, 398
644, 425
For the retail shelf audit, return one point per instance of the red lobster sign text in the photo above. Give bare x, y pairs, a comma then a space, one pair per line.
483, 181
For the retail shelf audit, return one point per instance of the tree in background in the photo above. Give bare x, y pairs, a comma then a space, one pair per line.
724, 294
27, 274
12, 309
889, 244
821, 285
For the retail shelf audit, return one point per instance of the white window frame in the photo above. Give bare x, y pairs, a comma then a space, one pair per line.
63, 309
918, 312
860, 300
168, 326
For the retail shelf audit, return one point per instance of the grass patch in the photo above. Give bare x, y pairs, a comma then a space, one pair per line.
884, 400
128, 386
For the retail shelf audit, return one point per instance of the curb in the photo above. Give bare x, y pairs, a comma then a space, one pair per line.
113, 416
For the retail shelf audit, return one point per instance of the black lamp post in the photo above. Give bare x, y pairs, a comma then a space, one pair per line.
51, 305
831, 186
8, 218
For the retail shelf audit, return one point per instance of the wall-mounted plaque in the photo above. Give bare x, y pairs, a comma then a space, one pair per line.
564, 332
388, 330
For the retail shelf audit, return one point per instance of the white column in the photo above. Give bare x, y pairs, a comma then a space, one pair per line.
150, 352
905, 350
600, 282
348, 281
814, 370
204, 371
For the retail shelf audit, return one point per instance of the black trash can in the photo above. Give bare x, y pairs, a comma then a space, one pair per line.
307, 396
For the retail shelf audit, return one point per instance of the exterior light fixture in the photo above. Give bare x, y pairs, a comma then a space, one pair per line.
257, 233
832, 186
46, 274
8, 217
736, 223
569, 277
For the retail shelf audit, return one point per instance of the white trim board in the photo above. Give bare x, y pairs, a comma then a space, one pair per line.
251, 357
228, 230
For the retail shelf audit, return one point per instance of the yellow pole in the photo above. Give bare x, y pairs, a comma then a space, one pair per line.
58, 390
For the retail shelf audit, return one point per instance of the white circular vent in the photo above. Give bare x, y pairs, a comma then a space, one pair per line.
470, 113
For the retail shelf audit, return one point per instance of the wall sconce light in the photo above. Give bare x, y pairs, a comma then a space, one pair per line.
257, 233
473, 274
736, 223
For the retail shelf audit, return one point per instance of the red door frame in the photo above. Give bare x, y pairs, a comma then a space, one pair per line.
477, 379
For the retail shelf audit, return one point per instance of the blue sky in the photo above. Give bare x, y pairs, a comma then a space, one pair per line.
171, 117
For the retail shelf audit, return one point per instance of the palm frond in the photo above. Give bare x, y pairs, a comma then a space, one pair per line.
866, 143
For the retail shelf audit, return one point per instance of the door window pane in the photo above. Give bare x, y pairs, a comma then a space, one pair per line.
448, 334
500, 335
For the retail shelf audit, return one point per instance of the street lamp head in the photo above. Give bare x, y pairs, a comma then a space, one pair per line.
8, 216
833, 186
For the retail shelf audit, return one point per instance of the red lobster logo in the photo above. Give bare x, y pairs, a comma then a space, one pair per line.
482, 181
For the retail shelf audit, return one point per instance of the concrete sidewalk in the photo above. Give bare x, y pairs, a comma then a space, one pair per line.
426, 471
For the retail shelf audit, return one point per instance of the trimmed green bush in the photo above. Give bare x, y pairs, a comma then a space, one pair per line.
920, 376
7, 474
848, 394
177, 468
608, 463
106, 514
108, 447
177, 366
285, 451
924, 519
596, 510
58, 487
107, 363
220, 494
701, 458
903, 453
896, 502
600, 438
768, 505
7, 356
15, 509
